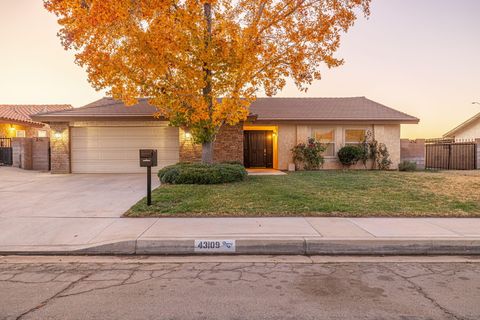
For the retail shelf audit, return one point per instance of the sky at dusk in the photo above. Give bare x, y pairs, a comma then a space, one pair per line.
421, 57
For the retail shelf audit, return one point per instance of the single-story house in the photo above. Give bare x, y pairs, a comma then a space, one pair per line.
16, 121
105, 136
468, 130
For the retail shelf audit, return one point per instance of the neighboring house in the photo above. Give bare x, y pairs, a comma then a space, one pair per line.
16, 121
105, 136
468, 130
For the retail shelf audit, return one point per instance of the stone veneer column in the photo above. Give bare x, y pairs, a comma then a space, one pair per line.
188, 151
60, 147
228, 146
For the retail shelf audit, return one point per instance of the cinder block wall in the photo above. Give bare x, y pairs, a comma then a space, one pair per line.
30, 153
413, 151
22, 153
40, 157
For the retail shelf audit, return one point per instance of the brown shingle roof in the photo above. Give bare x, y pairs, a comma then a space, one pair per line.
308, 109
296, 109
23, 113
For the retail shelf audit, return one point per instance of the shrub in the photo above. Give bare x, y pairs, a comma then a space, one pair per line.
309, 154
382, 157
407, 166
197, 173
349, 155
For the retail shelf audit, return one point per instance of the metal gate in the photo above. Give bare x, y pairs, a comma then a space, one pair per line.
5, 152
450, 155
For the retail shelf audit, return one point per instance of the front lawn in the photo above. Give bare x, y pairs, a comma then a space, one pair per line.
324, 193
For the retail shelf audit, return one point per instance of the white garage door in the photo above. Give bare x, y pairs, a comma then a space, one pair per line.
114, 149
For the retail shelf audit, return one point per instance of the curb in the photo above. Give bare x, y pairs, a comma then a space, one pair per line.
270, 246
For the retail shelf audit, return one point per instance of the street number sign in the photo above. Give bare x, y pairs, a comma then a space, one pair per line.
216, 246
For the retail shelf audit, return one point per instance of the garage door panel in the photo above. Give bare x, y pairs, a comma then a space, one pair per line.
115, 149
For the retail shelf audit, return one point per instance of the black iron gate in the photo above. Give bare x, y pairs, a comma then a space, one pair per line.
450, 155
5, 152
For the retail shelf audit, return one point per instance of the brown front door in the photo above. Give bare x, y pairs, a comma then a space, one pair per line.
258, 149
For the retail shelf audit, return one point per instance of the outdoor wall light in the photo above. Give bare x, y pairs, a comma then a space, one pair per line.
57, 135
12, 128
188, 135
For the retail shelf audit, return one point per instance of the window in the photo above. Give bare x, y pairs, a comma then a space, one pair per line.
42, 133
354, 136
20, 134
326, 136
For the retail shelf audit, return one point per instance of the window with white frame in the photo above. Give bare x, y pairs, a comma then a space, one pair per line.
42, 133
354, 136
326, 136
20, 133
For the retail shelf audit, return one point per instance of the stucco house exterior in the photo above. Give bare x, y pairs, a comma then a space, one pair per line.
468, 130
105, 136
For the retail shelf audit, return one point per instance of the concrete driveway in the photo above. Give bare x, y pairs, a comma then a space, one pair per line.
41, 194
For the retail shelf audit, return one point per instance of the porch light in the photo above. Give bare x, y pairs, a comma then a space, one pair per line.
57, 135
12, 128
188, 135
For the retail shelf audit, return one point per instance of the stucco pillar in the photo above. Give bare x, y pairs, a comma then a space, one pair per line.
389, 134
60, 147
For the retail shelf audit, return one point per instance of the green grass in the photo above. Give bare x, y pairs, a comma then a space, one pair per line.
323, 193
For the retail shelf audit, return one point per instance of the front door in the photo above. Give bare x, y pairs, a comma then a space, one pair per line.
258, 149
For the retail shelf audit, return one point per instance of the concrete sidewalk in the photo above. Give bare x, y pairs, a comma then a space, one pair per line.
302, 236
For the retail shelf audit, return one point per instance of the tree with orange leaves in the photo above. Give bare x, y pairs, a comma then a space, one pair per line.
201, 62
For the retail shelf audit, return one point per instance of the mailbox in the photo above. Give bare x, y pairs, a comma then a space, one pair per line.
148, 158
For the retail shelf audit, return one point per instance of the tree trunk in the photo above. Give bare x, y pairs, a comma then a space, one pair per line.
207, 152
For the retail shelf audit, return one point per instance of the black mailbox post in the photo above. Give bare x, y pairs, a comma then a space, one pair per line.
148, 158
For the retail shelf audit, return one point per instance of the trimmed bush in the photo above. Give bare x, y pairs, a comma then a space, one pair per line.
198, 173
407, 166
349, 155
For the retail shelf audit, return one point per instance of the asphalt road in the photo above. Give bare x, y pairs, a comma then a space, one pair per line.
239, 288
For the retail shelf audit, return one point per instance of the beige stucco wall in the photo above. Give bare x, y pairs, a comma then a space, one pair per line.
390, 135
470, 132
291, 134
287, 138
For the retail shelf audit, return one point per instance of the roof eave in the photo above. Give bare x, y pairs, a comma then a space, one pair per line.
92, 117
397, 121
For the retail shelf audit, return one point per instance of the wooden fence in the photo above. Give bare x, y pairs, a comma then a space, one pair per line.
450, 155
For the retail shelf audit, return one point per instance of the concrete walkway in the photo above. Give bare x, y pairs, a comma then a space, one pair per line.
41, 194
57, 235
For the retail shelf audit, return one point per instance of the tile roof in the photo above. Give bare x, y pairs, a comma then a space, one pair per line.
23, 113
299, 109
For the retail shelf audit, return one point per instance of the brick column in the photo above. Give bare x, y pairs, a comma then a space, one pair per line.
60, 147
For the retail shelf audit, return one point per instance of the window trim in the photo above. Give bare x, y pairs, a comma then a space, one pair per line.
345, 142
334, 142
